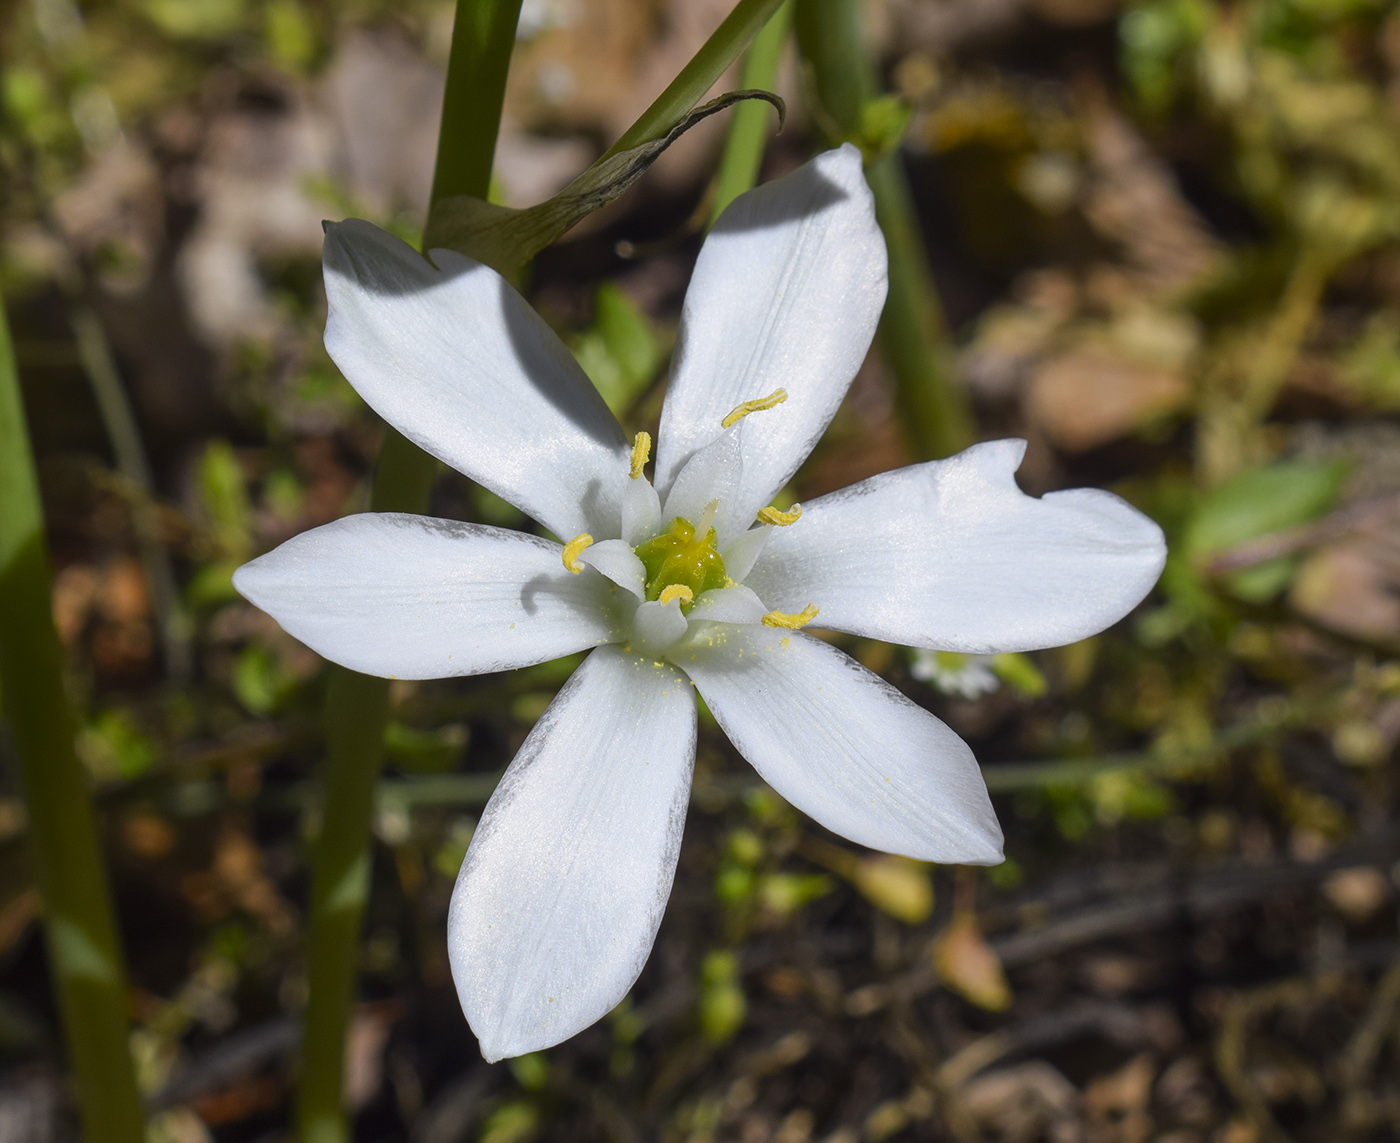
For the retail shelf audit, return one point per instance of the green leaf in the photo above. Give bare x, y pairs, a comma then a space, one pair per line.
505, 238
113, 747
531, 1071
197, 19
290, 37
1254, 503
259, 681
1258, 501
784, 894
1019, 672
883, 121
212, 585
224, 498
619, 352
722, 1002
425, 751
513, 1122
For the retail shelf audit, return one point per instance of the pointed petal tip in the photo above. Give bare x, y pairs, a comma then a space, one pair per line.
337, 234
980, 842
245, 580
493, 1047
991, 851
847, 155
496, 1045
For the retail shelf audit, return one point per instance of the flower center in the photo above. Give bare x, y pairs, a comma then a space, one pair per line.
683, 556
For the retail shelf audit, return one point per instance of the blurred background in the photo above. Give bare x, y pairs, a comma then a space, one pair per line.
1166, 241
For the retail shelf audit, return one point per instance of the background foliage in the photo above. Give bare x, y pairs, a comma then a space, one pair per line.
1164, 235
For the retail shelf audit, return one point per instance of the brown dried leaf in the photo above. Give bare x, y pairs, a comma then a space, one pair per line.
1092, 395
1352, 587
966, 963
1357, 894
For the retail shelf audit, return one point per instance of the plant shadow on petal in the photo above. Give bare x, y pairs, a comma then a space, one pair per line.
596, 508
543, 359
543, 585
778, 202
552, 369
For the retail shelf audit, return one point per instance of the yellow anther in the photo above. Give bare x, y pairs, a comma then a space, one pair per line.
791, 622
743, 409
572, 550
676, 591
779, 517
641, 453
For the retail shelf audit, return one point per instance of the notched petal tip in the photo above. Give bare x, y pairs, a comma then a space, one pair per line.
997, 461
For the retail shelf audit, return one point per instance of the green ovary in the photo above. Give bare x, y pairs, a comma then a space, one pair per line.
679, 555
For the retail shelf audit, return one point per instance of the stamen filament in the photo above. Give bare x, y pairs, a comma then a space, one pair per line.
641, 453
744, 408
707, 520
572, 550
790, 621
676, 591
771, 515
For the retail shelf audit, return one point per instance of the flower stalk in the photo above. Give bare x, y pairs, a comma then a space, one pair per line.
84, 955
938, 418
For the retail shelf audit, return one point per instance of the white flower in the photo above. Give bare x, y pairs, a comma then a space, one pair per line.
953, 673
563, 888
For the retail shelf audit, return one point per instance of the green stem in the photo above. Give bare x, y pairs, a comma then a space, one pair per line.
937, 415
119, 421
357, 706
748, 129
482, 36
700, 74
84, 955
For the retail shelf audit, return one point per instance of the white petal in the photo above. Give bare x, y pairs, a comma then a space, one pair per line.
712, 474
563, 888
655, 626
735, 604
953, 555
742, 552
614, 559
786, 294
456, 361
641, 511
842, 745
411, 597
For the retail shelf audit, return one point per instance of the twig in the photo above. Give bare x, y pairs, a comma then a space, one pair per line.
1365, 1044
241, 1054
1009, 777
1233, 1040
1118, 1023
1219, 891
